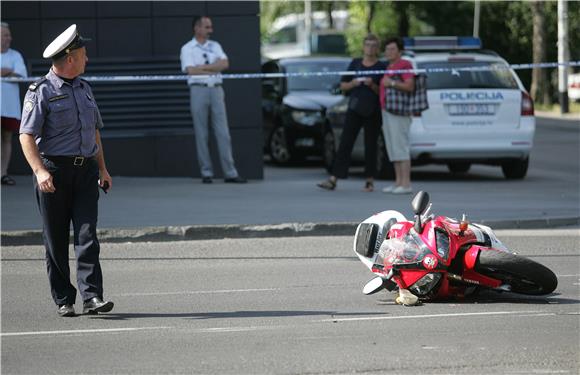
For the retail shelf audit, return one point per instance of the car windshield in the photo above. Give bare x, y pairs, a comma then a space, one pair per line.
313, 82
498, 77
410, 249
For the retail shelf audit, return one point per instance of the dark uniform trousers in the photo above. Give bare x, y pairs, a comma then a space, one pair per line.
352, 126
75, 199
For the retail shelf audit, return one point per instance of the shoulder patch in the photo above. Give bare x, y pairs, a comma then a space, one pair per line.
34, 86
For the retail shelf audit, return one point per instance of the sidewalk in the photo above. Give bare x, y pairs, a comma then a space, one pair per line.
287, 203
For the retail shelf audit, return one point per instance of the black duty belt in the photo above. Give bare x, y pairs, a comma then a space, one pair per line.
77, 161
206, 85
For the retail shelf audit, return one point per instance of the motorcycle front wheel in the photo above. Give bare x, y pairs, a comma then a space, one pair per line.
523, 275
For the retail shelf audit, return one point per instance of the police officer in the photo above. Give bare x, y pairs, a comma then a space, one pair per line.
60, 138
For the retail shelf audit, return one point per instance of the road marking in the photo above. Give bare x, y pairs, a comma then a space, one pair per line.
195, 292
78, 331
430, 316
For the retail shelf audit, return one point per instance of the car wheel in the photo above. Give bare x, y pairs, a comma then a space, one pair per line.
459, 167
385, 169
515, 169
328, 150
279, 150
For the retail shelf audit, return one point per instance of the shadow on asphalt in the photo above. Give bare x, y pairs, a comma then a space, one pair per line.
230, 314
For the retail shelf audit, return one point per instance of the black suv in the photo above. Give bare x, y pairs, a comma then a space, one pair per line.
294, 108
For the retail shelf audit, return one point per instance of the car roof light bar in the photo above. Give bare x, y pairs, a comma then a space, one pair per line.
442, 43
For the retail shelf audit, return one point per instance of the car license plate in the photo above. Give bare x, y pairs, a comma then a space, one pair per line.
471, 109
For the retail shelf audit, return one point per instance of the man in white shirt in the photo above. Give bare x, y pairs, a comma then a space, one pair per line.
12, 66
201, 57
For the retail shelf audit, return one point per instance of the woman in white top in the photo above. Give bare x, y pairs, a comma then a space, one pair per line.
12, 66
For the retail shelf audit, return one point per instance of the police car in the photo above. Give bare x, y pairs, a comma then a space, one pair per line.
479, 111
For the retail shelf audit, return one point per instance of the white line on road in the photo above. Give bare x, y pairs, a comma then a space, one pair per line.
430, 316
81, 331
194, 292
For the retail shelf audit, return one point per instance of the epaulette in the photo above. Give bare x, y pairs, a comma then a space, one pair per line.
85, 81
34, 86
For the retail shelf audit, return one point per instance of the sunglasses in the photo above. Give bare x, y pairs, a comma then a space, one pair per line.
206, 59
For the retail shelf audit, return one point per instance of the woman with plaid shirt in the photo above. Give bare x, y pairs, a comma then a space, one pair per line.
395, 92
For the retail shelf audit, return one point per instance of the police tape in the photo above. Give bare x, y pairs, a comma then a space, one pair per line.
493, 66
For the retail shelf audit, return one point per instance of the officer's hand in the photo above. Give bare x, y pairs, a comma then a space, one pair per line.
368, 81
105, 180
44, 180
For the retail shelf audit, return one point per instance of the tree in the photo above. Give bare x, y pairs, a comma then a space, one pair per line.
538, 88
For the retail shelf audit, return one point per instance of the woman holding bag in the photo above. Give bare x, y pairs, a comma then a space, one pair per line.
395, 94
363, 111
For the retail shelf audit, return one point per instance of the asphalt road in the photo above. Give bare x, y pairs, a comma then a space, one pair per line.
284, 306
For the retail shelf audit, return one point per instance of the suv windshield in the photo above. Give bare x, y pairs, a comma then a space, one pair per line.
315, 83
498, 78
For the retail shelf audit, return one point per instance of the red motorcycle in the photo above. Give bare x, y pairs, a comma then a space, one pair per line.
439, 257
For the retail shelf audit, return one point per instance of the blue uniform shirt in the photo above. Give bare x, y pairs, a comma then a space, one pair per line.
62, 117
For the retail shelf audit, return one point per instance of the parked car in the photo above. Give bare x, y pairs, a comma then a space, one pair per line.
574, 87
483, 115
294, 108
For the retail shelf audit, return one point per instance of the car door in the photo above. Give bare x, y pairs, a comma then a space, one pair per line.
272, 89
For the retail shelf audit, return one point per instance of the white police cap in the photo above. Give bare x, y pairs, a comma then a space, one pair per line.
69, 40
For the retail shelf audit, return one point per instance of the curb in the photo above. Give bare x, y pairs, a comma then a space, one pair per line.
211, 232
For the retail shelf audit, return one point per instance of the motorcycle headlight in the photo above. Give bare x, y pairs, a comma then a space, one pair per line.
442, 241
308, 118
425, 284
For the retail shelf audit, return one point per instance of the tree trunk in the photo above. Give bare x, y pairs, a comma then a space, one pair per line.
329, 7
539, 88
402, 10
371, 15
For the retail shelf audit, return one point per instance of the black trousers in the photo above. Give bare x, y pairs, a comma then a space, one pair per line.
75, 200
353, 124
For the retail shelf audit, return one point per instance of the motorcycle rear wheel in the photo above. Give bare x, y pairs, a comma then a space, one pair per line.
523, 275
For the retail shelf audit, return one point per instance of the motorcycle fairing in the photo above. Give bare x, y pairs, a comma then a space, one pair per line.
382, 219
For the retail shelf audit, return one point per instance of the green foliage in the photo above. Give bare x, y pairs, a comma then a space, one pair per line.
505, 26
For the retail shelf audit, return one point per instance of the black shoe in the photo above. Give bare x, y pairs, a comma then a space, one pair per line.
66, 310
96, 305
206, 180
236, 180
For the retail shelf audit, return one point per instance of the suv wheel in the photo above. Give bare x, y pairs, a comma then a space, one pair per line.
279, 150
385, 169
515, 169
328, 150
459, 167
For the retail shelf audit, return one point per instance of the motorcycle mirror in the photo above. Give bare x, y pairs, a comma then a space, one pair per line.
374, 286
420, 202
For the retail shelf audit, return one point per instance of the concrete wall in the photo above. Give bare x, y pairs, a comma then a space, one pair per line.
141, 30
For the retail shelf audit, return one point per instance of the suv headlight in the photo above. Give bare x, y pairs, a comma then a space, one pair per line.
306, 118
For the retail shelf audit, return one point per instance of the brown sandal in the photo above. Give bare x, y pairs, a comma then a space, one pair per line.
327, 185
7, 180
369, 187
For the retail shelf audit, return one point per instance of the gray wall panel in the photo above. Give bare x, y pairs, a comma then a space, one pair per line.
178, 8
129, 9
26, 37
227, 8
68, 9
123, 37
20, 9
145, 34
170, 34
241, 105
238, 36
